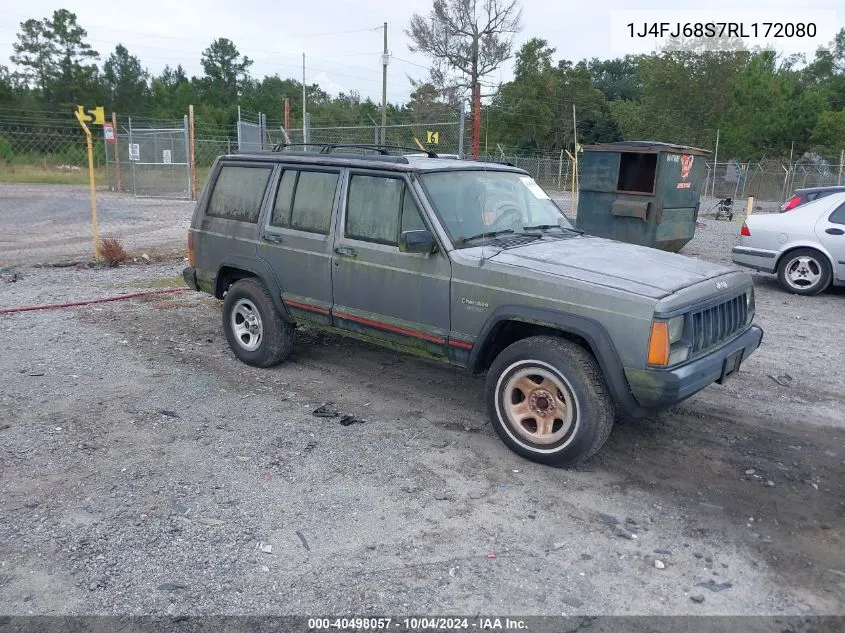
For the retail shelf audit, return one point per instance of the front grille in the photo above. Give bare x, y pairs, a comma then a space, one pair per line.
714, 325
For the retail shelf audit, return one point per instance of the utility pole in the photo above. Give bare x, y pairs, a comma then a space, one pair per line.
304, 125
385, 59
476, 102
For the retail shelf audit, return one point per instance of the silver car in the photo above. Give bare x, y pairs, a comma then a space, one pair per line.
805, 247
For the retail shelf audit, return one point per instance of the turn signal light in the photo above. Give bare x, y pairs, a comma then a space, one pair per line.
744, 230
658, 344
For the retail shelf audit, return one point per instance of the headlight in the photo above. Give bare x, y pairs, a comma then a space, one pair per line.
676, 329
749, 305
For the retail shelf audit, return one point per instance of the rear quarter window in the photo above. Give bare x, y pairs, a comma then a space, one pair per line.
238, 192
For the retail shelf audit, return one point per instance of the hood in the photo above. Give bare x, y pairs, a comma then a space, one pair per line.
638, 269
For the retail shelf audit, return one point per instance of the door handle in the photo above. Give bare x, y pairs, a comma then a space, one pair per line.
272, 237
346, 250
834, 231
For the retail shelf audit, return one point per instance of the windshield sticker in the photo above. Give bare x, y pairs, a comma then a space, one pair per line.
536, 189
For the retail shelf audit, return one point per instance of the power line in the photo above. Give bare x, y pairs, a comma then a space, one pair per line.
288, 36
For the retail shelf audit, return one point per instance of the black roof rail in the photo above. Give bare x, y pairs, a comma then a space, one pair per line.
327, 148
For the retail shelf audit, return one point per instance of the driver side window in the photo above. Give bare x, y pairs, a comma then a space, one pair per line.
379, 207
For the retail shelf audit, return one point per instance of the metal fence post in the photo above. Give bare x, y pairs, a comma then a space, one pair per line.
106, 154
239, 129
461, 130
131, 160
187, 157
559, 169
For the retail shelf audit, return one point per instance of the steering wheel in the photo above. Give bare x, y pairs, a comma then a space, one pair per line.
506, 210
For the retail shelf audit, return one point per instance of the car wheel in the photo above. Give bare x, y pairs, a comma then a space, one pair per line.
254, 329
804, 272
548, 402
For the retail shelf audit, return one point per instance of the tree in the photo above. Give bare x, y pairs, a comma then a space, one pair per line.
76, 77
829, 134
616, 78
126, 82
35, 53
426, 104
7, 86
466, 44
534, 111
226, 72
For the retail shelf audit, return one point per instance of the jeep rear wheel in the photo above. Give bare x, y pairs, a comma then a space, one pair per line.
256, 333
548, 402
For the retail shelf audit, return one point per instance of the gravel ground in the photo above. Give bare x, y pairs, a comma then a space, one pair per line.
144, 470
52, 223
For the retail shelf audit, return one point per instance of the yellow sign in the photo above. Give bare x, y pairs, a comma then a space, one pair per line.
97, 116
432, 138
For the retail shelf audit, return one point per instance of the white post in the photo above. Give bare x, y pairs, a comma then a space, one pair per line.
841, 166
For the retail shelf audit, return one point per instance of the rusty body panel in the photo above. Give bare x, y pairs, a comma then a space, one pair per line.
641, 193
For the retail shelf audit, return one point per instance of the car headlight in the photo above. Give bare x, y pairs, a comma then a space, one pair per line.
676, 329
750, 305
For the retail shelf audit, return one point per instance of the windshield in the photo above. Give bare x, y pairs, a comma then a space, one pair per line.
470, 203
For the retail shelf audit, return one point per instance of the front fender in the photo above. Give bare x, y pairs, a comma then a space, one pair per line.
593, 332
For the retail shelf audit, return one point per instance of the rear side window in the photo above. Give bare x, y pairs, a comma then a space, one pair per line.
238, 192
838, 216
304, 200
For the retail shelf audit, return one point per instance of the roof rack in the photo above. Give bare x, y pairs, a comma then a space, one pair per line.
328, 148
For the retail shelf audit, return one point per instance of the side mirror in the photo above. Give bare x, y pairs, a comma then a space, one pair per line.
419, 241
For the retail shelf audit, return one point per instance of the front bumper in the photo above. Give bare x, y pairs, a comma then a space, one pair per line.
661, 388
189, 274
756, 258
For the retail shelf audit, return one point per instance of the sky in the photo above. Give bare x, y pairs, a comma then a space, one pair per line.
342, 39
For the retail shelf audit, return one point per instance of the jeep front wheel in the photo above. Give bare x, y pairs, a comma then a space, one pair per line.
256, 333
548, 402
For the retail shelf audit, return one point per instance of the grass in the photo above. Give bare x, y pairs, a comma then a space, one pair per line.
37, 174
40, 174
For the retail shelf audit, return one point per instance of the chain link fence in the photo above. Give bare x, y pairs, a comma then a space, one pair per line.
151, 158
443, 137
772, 181
26, 141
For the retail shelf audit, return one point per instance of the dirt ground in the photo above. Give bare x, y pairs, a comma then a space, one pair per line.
144, 470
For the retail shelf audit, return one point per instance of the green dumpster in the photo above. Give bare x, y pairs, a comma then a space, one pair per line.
641, 192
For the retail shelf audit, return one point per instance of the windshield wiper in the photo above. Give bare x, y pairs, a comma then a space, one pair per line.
546, 227
486, 234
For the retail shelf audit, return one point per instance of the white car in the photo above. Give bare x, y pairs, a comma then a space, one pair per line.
805, 247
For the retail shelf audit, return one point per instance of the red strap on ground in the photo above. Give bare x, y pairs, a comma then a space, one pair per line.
74, 304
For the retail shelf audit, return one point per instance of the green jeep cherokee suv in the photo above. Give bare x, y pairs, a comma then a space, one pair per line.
474, 265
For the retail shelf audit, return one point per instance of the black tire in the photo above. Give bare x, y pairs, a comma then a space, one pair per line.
567, 365
814, 264
270, 339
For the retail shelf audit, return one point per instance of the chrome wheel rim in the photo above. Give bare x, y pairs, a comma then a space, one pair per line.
803, 272
540, 407
246, 325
